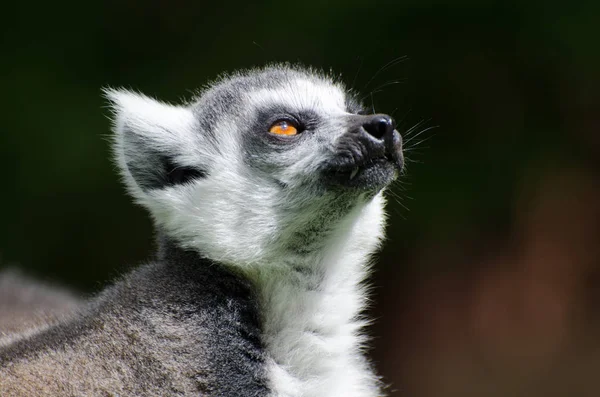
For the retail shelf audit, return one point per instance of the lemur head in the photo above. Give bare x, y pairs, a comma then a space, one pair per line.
260, 164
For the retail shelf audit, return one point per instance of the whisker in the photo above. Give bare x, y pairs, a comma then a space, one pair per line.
357, 72
408, 132
412, 138
380, 87
391, 63
372, 103
391, 82
403, 118
398, 200
411, 160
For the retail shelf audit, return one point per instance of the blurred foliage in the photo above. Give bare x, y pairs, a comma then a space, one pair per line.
512, 90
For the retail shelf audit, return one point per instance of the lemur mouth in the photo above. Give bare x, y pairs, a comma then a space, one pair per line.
372, 173
368, 156
373, 162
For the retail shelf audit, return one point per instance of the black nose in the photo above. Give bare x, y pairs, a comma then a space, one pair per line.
379, 125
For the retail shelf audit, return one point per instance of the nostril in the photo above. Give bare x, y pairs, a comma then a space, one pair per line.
379, 125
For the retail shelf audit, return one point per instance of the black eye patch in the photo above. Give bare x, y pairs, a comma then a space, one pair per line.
176, 174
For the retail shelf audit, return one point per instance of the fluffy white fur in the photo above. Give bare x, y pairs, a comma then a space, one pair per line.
314, 336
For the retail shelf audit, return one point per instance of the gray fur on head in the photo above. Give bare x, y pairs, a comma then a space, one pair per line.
264, 243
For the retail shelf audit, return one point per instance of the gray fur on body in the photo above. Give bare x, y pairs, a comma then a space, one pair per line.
26, 303
265, 243
151, 334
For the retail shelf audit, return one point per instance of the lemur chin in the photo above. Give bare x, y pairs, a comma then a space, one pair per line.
267, 195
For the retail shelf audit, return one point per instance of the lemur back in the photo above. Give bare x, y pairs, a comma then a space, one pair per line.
26, 304
267, 196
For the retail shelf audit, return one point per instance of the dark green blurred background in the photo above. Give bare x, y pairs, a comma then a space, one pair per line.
489, 284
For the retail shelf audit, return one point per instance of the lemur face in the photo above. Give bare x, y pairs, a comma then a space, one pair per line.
254, 161
297, 128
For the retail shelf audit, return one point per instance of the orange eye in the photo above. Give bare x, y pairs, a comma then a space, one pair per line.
283, 127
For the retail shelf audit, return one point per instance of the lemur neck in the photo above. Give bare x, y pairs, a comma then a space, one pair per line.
310, 308
309, 305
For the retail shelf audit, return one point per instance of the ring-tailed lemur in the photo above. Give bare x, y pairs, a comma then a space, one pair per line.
266, 192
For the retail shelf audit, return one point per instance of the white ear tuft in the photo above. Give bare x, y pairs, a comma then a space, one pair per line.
148, 134
147, 114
